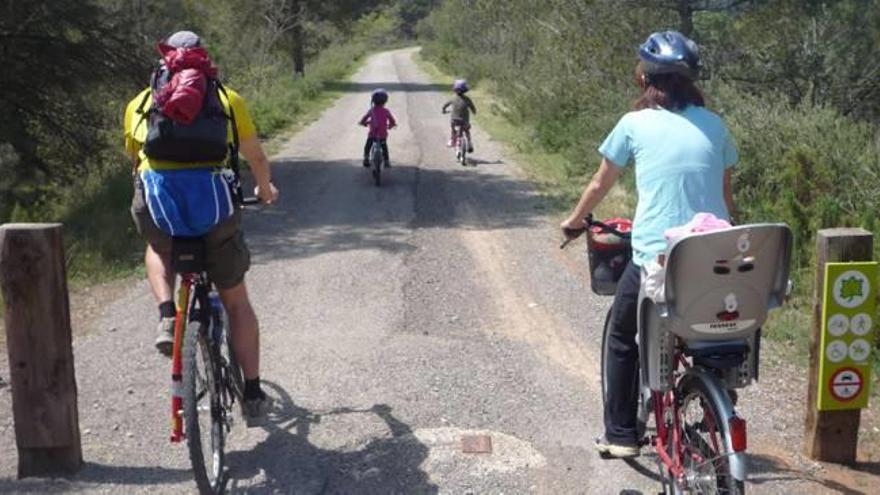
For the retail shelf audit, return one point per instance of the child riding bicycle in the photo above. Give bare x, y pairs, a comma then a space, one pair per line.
379, 120
462, 106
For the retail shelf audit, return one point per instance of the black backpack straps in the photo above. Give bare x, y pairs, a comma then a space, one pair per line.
235, 142
140, 110
233, 148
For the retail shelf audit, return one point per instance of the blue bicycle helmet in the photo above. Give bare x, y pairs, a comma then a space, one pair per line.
670, 52
380, 97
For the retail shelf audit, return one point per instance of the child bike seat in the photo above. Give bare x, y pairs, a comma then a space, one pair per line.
719, 285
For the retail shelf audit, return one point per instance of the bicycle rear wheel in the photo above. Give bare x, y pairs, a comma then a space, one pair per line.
705, 452
376, 163
462, 149
203, 412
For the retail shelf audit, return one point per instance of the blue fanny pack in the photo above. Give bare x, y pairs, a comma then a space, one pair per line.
188, 202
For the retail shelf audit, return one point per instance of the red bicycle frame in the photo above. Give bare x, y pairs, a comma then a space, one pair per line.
666, 402
186, 284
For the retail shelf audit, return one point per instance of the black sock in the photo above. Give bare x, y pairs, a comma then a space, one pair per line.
252, 389
167, 310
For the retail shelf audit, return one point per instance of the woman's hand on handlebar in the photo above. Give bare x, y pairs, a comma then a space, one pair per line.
572, 228
267, 195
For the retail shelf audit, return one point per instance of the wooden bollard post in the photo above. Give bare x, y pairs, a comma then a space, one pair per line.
832, 436
38, 340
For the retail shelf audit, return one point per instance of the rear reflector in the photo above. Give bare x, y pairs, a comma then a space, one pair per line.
737, 427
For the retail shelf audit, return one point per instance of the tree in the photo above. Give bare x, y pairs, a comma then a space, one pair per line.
54, 54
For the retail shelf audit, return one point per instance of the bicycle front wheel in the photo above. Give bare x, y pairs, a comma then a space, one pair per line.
705, 454
203, 412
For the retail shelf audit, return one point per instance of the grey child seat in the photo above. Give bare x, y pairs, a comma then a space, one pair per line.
719, 287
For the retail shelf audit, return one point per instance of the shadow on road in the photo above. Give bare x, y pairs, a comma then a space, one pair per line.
287, 462
766, 469
333, 206
99, 474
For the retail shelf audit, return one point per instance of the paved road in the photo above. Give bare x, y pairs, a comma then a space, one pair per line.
394, 320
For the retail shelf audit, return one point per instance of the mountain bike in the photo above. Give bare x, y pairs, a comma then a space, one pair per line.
206, 380
699, 341
377, 162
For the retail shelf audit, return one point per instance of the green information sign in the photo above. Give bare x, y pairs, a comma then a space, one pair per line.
848, 313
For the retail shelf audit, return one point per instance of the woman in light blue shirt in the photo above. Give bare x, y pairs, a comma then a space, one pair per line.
683, 154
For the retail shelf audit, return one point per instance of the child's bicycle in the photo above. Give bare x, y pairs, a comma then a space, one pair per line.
460, 142
462, 145
377, 162
698, 342
206, 380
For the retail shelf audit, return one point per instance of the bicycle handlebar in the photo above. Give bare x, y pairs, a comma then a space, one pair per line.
572, 234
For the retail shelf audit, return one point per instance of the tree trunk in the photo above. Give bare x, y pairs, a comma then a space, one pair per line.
299, 62
685, 17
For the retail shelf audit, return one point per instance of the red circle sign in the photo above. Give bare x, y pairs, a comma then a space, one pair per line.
846, 384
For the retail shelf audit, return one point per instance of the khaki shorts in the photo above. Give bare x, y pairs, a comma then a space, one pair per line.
227, 255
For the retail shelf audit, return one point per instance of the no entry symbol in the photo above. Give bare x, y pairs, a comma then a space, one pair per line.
846, 384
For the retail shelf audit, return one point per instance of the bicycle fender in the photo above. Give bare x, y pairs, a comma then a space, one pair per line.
716, 393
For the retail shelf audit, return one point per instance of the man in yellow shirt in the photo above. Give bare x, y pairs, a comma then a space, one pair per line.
227, 255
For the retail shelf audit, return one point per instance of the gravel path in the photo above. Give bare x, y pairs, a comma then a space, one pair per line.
394, 320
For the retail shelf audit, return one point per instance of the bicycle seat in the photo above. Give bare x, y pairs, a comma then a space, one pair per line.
188, 254
719, 285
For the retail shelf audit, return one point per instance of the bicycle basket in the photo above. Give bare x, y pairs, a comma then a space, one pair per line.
188, 254
608, 254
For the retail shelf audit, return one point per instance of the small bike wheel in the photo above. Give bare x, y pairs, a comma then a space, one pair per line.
704, 450
462, 150
376, 164
203, 413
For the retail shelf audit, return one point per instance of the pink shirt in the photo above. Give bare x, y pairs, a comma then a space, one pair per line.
379, 120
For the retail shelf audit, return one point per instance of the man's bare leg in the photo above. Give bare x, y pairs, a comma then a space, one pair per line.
159, 274
244, 329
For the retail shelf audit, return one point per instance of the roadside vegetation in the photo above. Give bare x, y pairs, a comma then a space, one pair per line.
797, 81
76, 63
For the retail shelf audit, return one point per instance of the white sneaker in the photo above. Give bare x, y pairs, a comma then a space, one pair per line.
615, 450
165, 336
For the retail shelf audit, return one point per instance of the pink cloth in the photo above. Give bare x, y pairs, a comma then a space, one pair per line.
182, 97
379, 120
702, 222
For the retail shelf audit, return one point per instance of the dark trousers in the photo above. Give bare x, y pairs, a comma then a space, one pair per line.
369, 145
623, 361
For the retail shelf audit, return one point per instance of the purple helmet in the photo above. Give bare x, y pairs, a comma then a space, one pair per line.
379, 97
670, 52
460, 85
